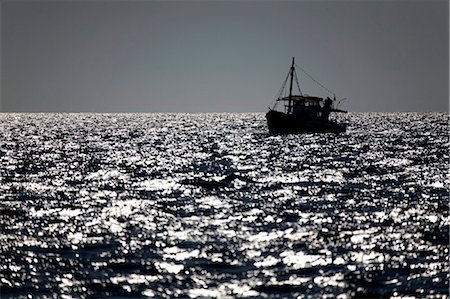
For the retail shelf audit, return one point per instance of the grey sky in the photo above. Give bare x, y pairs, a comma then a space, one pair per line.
155, 56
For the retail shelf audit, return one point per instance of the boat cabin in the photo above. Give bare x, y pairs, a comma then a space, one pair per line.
305, 106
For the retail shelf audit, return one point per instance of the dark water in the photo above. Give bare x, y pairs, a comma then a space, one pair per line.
209, 205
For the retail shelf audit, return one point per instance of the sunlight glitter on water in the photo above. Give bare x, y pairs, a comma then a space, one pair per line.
195, 205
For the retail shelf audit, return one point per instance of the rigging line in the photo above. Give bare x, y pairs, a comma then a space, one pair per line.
280, 91
298, 85
312, 78
283, 86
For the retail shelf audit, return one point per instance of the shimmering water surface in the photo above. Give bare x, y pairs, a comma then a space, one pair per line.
210, 205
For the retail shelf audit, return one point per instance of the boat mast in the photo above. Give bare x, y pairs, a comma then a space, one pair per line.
290, 87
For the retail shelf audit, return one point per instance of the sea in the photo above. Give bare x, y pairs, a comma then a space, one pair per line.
212, 206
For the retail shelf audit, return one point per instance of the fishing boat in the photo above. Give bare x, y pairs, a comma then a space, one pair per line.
302, 113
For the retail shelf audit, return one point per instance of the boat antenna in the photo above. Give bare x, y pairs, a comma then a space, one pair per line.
292, 77
290, 86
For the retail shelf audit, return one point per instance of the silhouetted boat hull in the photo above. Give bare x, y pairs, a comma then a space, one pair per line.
282, 123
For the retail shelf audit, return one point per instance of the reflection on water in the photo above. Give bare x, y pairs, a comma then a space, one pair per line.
209, 205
